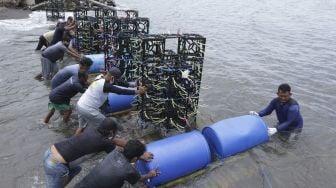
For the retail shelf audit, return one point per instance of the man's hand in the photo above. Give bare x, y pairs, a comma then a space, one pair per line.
272, 131
150, 174
147, 156
153, 173
253, 113
142, 90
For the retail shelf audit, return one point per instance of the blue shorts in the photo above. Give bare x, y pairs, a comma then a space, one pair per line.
57, 173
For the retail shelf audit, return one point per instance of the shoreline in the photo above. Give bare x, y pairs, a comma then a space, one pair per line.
13, 13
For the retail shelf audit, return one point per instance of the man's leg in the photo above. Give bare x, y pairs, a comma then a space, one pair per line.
38, 77
82, 123
57, 174
45, 65
49, 115
73, 171
88, 117
40, 43
53, 70
66, 115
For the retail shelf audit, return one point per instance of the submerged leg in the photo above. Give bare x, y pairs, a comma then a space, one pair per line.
66, 115
49, 115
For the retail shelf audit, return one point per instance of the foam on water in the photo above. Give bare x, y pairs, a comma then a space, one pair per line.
36, 19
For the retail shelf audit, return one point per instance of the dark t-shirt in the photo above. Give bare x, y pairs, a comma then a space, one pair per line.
288, 114
110, 173
64, 74
58, 34
63, 93
90, 141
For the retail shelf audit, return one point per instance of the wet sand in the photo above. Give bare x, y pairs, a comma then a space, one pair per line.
12, 13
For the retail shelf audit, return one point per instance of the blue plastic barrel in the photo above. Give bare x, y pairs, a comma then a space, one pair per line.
176, 156
117, 103
234, 135
98, 63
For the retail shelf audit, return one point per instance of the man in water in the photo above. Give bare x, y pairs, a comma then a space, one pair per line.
57, 159
52, 54
117, 168
61, 27
71, 70
45, 40
61, 95
287, 111
89, 103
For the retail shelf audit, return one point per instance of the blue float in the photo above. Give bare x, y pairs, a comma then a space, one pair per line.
176, 156
118, 103
234, 135
98, 63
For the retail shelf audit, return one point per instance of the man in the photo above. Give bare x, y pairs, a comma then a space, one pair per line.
287, 111
52, 54
116, 168
61, 27
89, 103
69, 71
57, 159
45, 40
60, 96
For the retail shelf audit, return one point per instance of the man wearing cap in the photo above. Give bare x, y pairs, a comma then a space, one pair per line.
62, 26
89, 103
52, 54
57, 159
71, 70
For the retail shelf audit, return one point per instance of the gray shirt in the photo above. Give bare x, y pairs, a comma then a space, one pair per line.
111, 172
54, 52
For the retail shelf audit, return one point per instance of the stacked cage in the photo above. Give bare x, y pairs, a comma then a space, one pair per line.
173, 79
127, 43
91, 35
109, 31
55, 10
171, 72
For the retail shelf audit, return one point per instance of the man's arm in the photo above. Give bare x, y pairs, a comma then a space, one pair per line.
150, 174
147, 156
119, 141
268, 110
293, 113
110, 88
74, 53
123, 83
70, 27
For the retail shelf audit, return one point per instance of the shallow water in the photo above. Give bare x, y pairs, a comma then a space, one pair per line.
252, 47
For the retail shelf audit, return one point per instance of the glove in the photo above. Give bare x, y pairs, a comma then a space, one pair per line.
253, 113
272, 131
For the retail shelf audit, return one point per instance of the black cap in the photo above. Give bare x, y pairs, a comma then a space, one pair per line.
86, 61
114, 71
